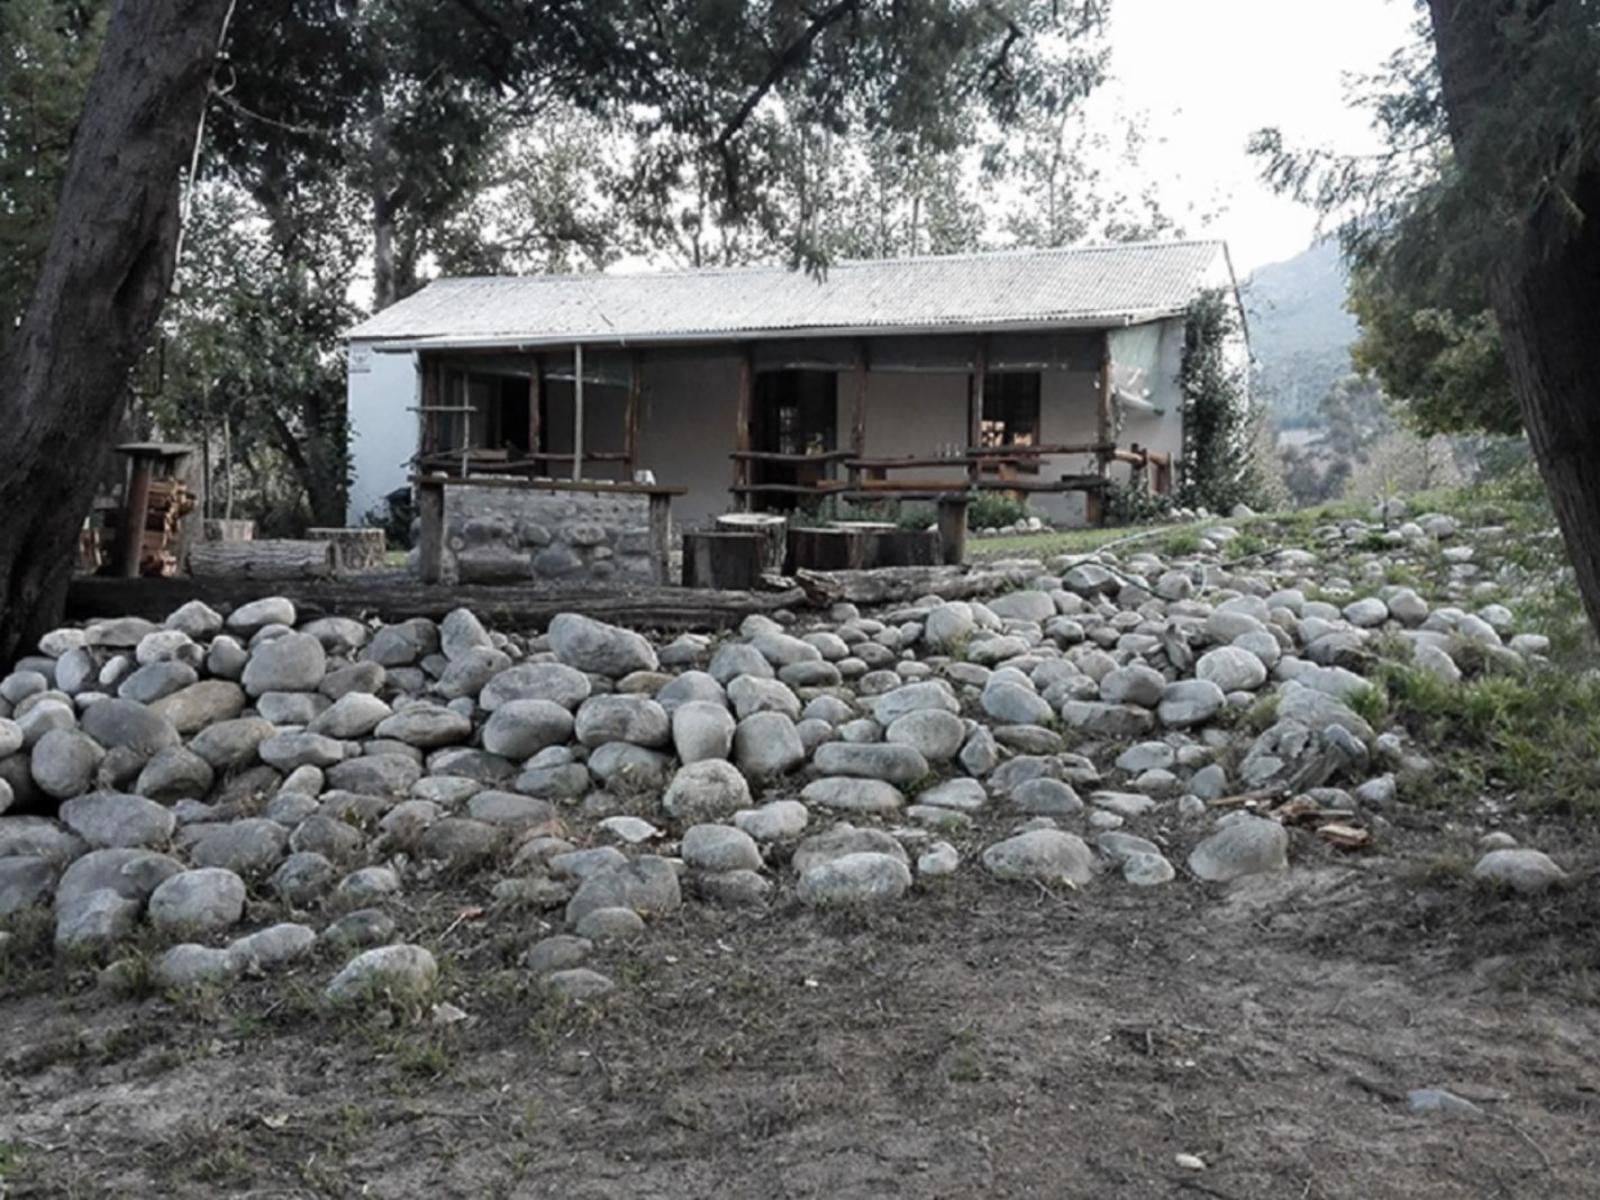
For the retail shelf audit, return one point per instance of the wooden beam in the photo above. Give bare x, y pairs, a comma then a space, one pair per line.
432, 374
741, 428
577, 412
858, 409
535, 402
430, 542
953, 528
660, 537
630, 419
135, 511
980, 369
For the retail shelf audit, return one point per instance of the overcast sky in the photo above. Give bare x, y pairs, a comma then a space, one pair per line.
1207, 73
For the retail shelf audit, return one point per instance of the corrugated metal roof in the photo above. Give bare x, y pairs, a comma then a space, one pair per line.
1081, 286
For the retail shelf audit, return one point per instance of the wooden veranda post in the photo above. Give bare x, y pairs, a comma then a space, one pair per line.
661, 537
430, 542
577, 412
430, 403
535, 402
741, 430
134, 514
1094, 502
980, 368
630, 418
858, 410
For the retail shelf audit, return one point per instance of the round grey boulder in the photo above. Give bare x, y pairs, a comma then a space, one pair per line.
521, 728
1190, 702
294, 662
1527, 871
860, 878
64, 761
1046, 855
1232, 669
201, 901
854, 795
708, 790
598, 648
720, 848
622, 718
401, 971
1244, 845
702, 729
766, 744
105, 819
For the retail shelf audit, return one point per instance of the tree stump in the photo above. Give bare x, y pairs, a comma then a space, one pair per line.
953, 529
836, 548
267, 559
723, 560
902, 548
354, 549
773, 529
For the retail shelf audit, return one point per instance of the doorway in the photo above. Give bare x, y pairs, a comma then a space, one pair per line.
793, 413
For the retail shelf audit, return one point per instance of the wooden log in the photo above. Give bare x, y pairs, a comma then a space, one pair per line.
354, 549
276, 558
894, 585
399, 599
722, 559
952, 529
430, 539
902, 548
835, 548
660, 537
772, 528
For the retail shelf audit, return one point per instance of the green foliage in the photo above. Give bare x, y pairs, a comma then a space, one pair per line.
1130, 505
1220, 470
48, 49
394, 518
995, 510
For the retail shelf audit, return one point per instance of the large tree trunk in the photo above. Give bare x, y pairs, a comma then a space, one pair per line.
1545, 289
64, 375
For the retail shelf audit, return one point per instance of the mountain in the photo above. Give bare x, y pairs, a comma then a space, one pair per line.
1300, 333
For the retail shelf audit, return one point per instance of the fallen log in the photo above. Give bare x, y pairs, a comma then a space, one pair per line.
399, 597
267, 559
896, 585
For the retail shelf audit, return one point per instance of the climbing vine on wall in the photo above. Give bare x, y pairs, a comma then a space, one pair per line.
1220, 467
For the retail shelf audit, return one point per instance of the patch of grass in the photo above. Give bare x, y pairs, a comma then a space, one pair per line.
1371, 704
1181, 542
1051, 542
1535, 733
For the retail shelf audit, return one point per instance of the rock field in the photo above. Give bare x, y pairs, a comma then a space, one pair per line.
1128, 721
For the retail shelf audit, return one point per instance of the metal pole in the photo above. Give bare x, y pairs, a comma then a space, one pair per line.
577, 413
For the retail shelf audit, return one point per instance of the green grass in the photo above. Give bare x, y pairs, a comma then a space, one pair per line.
1535, 733
1050, 542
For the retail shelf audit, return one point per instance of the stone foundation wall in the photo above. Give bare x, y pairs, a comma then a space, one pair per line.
507, 535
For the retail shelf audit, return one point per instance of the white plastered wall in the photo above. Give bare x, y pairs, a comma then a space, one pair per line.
686, 431
381, 391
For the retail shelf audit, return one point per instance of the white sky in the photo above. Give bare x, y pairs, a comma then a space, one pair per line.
1207, 73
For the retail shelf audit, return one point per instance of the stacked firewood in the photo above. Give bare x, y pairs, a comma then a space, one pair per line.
170, 502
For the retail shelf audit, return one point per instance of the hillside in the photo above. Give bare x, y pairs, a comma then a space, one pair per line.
1300, 332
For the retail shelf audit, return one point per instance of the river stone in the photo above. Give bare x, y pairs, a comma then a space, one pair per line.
509, 810
249, 619
461, 841
767, 744
364, 927
131, 873
649, 886
471, 673
288, 751
888, 761
720, 848
891, 706
933, 733
1013, 704
404, 643
1190, 702
375, 774
229, 745
1033, 606
1248, 845
1046, 855
857, 878
294, 662
1043, 797
200, 704
273, 946
629, 770
290, 708
64, 761
1136, 684
1108, 720
702, 729
773, 821
615, 718
598, 648
201, 901
352, 715
609, 925
26, 881
252, 846
521, 728
1232, 669
156, 681
948, 626
303, 878
854, 795
559, 952
94, 919
1525, 871
106, 819
402, 971
425, 725
552, 681
709, 790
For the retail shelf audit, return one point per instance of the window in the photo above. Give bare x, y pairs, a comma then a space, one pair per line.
1010, 409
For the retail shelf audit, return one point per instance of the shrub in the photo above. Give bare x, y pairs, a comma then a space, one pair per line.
995, 510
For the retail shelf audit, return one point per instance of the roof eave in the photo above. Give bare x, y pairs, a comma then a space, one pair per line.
400, 344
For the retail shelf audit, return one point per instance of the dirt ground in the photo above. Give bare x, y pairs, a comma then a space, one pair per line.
975, 1039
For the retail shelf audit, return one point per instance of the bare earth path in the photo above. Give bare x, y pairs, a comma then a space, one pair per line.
980, 1039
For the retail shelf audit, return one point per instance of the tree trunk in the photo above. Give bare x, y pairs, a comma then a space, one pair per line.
1546, 294
63, 378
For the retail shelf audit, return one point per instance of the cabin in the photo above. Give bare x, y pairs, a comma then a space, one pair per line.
563, 420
